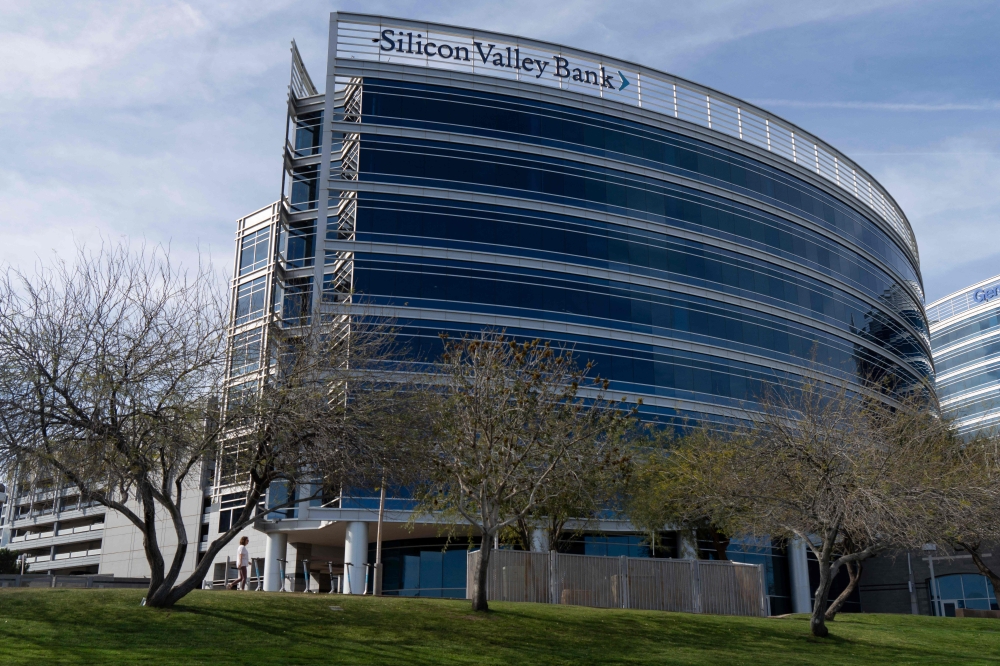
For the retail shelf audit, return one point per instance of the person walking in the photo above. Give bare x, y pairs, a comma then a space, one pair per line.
242, 562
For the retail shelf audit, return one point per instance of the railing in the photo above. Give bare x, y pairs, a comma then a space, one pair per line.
693, 586
60, 532
62, 556
301, 85
96, 581
955, 304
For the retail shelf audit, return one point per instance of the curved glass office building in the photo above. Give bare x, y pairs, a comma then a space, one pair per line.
692, 245
688, 243
965, 337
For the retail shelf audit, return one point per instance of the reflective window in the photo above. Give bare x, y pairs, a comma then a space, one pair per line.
599, 302
769, 554
245, 352
301, 250
305, 184
616, 545
962, 591
250, 300
973, 406
486, 228
688, 261
230, 504
423, 568
967, 328
336, 287
254, 250
978, 378
297, 301
455, 110
308, 131
979, 352
632, 367
494, 171
974, 361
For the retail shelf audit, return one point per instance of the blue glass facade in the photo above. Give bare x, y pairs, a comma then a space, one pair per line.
955, 591
597, 233
965, 338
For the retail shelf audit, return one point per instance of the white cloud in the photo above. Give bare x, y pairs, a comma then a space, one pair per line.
652, 32
164, 119
985, 105
48, 57
951, 193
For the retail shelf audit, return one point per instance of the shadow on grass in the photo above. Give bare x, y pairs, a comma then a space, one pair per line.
85, 626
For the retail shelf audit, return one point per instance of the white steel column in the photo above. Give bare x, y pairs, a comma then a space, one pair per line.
539, 540
275, 549
687, 546
355, 557
798, 569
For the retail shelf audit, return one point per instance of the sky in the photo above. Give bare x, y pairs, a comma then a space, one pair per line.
163, 120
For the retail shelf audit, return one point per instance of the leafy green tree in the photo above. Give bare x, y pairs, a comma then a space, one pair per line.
849, 475
9, 562
520, 428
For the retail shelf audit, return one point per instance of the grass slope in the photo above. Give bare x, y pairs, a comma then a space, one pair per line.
217, 628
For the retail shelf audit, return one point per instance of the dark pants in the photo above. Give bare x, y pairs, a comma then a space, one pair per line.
242, 580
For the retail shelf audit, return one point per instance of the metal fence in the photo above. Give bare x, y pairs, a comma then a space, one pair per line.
96, 582
692, 586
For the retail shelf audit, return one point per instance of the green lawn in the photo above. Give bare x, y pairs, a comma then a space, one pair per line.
109, 626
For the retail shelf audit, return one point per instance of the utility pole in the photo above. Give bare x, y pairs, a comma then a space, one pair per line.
914, 606
377, 587
936, 607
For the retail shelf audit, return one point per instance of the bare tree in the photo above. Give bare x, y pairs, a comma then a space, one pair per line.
110, 371
518, 425
848, 475
972, 522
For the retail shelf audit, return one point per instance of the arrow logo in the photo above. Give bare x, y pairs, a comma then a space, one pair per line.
625, 81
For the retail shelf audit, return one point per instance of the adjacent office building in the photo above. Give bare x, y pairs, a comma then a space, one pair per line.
692, 245
965, 341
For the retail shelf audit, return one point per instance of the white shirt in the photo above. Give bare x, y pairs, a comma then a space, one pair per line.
242, 556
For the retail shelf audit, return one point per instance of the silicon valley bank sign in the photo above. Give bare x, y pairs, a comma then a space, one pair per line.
506, 57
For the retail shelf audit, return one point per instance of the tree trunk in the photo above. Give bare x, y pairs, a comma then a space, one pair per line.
825, 560
854, 572
168, 592
163, 596
150, 544
721, 544
194, 581
480, 575
817, 622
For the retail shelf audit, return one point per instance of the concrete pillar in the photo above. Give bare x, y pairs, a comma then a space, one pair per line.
274, 550
539, 540
798, 570
686, 545
355, 555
